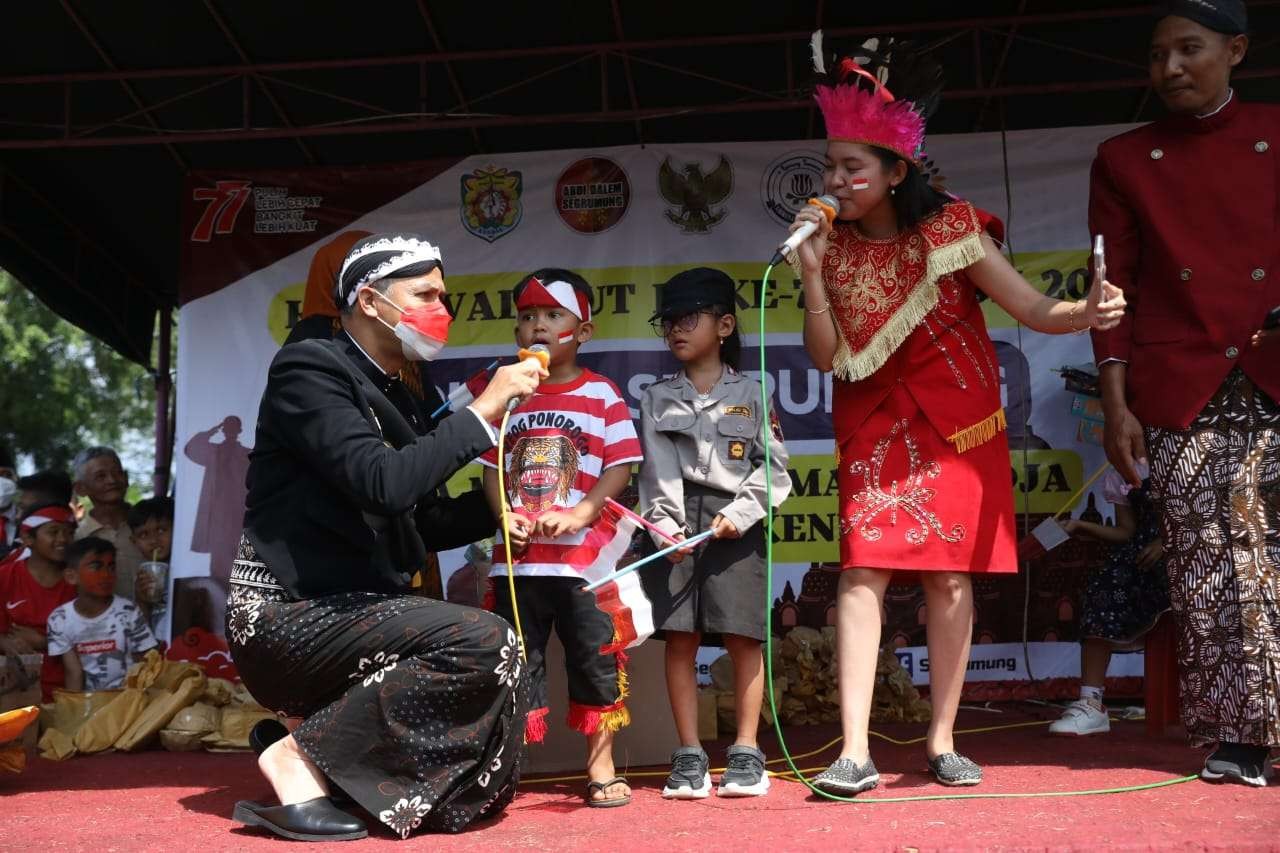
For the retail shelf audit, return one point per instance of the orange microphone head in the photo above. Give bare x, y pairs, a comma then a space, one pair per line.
823, 204
538, 351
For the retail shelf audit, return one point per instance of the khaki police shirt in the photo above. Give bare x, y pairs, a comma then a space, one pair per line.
714, 442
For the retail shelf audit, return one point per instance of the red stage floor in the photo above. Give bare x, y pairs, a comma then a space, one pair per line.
168, 801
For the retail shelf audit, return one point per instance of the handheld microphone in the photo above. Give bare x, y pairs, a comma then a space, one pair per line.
540, 354
828, 205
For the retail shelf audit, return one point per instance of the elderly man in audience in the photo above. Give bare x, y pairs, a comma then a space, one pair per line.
100, 478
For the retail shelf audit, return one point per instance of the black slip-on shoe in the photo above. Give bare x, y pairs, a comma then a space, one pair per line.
314, 820
268, 731
1242, 763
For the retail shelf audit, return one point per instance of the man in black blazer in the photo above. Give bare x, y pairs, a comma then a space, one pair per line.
413, 707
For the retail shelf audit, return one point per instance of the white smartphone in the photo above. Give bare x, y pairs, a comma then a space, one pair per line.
1099, 259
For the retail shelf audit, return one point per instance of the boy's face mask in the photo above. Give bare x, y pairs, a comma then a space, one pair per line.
8, 491
423, 330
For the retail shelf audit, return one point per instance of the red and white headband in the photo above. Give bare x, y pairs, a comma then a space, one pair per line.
536, 294
46, 514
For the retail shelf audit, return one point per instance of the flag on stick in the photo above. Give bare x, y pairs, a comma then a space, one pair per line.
466, 392
1048, 534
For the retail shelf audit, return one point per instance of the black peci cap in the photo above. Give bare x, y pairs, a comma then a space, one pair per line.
693, 290
1222, 16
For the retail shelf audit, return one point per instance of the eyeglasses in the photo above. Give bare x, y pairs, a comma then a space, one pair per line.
663, 326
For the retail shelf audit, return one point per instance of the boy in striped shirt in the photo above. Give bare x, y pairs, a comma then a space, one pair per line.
567, 449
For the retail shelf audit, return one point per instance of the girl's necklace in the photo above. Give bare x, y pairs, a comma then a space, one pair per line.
702, 395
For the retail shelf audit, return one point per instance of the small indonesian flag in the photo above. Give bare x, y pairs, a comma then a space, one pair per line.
1042, 539
623, 600
461, 397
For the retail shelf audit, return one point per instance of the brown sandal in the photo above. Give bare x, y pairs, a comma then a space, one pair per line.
592, 787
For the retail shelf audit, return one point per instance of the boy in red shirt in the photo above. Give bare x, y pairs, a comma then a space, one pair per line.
568, 448
32, 587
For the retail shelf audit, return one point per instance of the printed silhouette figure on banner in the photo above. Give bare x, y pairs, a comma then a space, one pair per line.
220, 514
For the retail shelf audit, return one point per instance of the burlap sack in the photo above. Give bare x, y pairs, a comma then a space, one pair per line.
233, 728
144, 673
56, 746
154, 671
72, 709
218, 692
105, 727
187, 728
160, 710
200, 718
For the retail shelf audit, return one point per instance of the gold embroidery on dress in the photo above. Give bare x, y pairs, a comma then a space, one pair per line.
947, 314
880, 291
911, 496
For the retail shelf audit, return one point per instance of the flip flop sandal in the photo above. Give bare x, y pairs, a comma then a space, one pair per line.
592, 787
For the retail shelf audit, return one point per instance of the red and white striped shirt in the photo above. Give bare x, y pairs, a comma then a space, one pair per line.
557, 445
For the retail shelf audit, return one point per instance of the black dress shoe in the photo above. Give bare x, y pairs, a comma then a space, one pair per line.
264, 733
314, 820
268, 731
1242, 763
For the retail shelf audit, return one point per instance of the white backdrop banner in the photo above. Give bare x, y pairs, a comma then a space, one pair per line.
628, 218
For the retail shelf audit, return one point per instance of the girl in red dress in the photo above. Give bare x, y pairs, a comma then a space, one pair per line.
922, 461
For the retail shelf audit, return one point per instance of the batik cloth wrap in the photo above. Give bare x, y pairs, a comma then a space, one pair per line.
1218, 485
414, 707
922, 460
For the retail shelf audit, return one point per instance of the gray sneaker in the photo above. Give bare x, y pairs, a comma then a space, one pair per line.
744, 774
690, 777
845, 778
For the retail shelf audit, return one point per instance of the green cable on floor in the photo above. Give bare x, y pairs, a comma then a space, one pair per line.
768, 627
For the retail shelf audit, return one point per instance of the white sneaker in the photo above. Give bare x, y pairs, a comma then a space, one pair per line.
1082, 717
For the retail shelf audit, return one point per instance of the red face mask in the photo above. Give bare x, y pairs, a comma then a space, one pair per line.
423, 330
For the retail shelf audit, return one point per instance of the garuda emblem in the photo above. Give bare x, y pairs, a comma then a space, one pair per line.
694, 194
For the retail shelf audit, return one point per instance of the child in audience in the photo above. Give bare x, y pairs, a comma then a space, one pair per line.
1123, 598
568, 448
151, 529
32, 585
98, 634
704, 468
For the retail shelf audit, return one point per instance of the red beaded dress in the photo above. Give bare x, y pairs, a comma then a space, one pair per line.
922, 459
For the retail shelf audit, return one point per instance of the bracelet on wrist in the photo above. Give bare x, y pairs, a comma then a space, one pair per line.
1071, 319
824, 309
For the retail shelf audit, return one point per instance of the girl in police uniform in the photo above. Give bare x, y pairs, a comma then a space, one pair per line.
704, 469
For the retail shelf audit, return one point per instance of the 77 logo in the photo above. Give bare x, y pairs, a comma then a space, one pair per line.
226, 199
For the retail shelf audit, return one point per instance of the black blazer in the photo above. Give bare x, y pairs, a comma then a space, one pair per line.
341, 488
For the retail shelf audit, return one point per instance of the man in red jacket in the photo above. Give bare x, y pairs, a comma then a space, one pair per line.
1188, 208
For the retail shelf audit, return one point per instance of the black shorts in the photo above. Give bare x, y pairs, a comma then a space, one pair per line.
595, 681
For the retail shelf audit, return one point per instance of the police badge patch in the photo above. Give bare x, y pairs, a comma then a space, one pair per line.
491, 205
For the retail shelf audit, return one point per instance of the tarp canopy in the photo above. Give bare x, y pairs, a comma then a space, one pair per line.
107, 105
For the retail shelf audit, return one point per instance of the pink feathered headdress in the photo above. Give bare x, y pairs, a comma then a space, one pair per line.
857, 106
